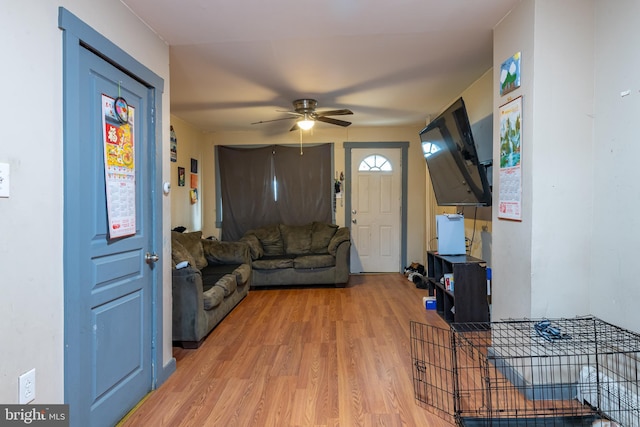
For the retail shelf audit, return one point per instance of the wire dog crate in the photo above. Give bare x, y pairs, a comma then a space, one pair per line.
560, 372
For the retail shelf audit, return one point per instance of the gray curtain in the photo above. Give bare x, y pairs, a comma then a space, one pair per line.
249, 198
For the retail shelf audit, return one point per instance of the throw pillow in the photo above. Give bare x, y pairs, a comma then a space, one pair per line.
321, 236
180, 254
270, 238
296, 239
193, 243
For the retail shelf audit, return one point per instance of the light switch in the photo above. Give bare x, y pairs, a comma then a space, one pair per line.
4, 179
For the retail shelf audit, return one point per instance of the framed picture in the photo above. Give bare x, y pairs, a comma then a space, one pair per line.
173, 145
181, 177
194, 180
510, 74
194, 166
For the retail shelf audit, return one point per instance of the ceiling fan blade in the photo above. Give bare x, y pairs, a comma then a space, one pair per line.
294, 113
274, 120
294, 127
333, 121
342, 112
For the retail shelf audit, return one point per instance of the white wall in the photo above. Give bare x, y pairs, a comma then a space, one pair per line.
541, 270
561, 165
574, 251
31, 275
190, 143
614, 285
540, 267
511, 291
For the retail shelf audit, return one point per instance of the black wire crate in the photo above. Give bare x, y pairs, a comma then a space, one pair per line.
529, 372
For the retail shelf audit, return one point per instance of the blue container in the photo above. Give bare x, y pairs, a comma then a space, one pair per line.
429, 303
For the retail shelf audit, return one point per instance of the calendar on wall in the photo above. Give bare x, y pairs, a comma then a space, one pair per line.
510, 177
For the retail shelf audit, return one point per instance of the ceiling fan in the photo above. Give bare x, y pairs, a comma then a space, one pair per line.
306, 115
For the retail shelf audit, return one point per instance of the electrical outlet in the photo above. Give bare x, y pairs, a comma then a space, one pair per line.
27, 387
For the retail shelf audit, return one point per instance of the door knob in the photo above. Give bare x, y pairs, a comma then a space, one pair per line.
151, 258
355, 221
354, 212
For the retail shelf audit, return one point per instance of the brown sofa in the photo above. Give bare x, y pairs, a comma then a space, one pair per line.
311, 254
217, 276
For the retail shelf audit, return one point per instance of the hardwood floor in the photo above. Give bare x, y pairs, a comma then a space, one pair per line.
302, 357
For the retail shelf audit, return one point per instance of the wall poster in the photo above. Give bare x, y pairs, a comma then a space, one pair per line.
510, 184
119, 167
181, 175
173, 146
510, 74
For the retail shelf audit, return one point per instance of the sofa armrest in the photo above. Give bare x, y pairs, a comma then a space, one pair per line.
343, 262
342, 235
219, 252
187, 304
255, 247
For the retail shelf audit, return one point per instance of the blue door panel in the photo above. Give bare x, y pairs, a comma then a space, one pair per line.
116, 268
118, 347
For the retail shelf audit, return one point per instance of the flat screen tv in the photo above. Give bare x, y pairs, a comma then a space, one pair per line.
458, 178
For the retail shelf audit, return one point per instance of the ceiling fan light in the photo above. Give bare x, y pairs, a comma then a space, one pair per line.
305, 124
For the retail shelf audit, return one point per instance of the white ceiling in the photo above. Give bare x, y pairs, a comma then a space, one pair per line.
392, 62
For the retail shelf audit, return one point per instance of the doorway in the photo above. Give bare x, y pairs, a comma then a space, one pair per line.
376, 203
112, 287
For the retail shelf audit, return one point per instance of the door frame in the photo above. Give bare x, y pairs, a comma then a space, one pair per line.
77, 35
404, 147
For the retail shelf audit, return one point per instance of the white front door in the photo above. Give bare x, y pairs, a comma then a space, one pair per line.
376, 209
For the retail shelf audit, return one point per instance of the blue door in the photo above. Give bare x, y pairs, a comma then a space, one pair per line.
109, 282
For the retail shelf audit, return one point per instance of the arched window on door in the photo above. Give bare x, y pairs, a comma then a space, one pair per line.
375, 163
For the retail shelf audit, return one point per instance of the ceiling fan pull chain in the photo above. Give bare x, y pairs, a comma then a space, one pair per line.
301, 142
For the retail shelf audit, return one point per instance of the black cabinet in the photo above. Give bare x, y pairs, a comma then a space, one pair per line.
467, 301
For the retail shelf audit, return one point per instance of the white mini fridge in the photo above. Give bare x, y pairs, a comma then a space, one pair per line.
450, 232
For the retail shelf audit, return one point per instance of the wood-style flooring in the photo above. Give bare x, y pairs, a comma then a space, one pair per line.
310, 356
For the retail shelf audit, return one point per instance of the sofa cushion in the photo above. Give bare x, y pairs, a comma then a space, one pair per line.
228, 284
242, 273
321, 236
270, 239
296, 239
342, 235
180, 254
193, 243
214, 272
254, 245
213, 297
272, 263
314, 261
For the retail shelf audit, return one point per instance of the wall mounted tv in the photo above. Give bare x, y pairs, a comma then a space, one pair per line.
458, 177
